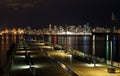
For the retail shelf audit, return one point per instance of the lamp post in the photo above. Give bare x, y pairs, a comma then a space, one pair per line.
111, 53
93, 51
111, 69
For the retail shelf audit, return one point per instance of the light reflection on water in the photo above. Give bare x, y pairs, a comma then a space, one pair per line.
5, 42
81, 43
97, 44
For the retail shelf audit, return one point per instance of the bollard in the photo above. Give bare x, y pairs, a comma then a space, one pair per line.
32, 69
111, 70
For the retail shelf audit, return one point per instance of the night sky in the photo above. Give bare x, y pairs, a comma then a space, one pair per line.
41, 13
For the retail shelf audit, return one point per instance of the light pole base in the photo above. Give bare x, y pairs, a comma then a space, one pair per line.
111, 70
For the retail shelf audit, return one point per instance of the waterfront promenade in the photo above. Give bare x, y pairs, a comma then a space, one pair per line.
38, 63
82, 68
31, 60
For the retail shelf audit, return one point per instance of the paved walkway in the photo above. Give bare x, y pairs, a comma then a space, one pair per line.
81, 68
42, 64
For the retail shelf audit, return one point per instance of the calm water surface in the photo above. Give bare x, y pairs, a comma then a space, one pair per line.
97, 44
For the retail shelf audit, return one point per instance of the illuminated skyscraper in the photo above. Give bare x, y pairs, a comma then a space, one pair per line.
50, 27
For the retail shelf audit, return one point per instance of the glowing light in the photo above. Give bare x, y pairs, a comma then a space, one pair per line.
45, 47
14, 32
93, 37
21, 67
21, 56
63, 66
39, 65
33, 56
40, 44
107, 37
107, 48
6, 31
70, 56
20, 31
68, 33
22, 51
93, 65
2, 32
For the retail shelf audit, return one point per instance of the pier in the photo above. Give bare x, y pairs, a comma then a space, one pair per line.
31, 59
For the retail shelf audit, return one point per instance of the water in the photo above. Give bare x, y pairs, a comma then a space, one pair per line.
98, 45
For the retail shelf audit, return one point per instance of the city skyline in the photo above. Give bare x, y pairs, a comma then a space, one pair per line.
41, 13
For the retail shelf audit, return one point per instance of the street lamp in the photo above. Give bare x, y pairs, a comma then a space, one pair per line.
111, 69
93, 52
111, 53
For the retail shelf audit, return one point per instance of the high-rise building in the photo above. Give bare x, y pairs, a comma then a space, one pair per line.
50, 27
